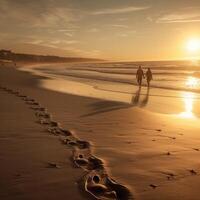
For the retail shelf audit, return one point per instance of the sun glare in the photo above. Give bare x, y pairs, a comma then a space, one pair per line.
193, 45
192, 82
188, 101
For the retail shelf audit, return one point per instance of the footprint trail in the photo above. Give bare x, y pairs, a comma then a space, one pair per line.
95, 180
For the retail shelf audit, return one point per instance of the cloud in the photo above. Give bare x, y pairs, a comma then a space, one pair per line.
179, 18
93, 30
40, 14
66, 30
71, 42
126, 33
150, 19
54, 43
122, 35
56, 17
122, 19
109, 11
68, 34
36, 42
119, 26
184, 21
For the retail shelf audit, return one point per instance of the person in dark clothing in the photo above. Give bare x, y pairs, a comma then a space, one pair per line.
149, 76
139, 75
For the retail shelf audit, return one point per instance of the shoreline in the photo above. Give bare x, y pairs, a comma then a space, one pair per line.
126, 138
40, 70
131, 95
95, 180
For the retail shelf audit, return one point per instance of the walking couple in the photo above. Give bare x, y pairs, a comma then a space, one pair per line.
140, 75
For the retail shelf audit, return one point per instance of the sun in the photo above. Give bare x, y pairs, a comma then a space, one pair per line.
193, 45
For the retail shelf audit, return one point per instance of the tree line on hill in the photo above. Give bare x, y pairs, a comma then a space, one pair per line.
21, 57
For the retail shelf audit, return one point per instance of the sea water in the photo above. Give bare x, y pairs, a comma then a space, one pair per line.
175, 83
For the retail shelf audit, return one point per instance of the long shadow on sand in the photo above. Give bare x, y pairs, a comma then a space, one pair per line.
107, 106
145, 101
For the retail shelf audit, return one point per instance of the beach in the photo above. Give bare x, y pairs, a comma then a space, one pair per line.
148, 141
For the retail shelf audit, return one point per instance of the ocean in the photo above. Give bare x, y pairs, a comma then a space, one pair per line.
175, 88
174, 75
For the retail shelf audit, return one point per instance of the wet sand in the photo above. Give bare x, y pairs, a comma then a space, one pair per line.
154, 155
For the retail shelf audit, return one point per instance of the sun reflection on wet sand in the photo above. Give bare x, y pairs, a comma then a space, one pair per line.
188, 99
192, 82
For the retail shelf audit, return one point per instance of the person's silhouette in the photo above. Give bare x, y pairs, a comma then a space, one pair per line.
149, 76
139, 75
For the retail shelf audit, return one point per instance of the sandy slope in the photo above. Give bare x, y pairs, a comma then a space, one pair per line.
156, 155
26, 149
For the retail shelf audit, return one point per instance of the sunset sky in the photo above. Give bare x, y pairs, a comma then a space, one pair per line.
108, 29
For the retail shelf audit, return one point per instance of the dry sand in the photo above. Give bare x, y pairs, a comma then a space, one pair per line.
27, 151
155, 155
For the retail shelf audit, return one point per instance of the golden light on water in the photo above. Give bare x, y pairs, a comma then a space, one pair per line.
188, 99
192, 82
193, 45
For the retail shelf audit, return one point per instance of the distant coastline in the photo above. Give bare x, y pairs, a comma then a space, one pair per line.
9, 56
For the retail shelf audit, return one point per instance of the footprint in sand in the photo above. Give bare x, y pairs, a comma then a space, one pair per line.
153, 186
169, 175
88, 162
52, 165
159, 130
129, 142
80, 160
170, 137
54, 130
196, 149
192, 171
101, 186
96, 182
